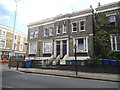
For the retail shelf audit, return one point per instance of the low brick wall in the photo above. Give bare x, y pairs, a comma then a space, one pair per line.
14, 64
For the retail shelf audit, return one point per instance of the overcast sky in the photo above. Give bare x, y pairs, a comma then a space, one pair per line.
33, 10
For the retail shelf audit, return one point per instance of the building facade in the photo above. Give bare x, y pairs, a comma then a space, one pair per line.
110, 32
54, 38
10, 41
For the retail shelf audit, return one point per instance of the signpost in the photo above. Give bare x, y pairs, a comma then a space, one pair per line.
75, 47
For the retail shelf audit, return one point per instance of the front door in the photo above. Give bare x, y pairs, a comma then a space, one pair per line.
64, 48
58, 48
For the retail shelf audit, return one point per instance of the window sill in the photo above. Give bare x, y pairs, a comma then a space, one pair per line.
47, 52
58, 33
82, 30
74, 31
45, 36
116, 50
81, 51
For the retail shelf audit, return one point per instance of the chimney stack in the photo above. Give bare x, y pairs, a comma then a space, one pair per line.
99, 4
90, 6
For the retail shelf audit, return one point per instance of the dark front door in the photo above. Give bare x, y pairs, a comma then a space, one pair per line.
58, 48
64, 48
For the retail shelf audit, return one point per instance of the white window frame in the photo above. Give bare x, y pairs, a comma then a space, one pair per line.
80, 25
64, 27
35, 47
74, 42
4, 34
31, 35
51, 31
44, 48
57, 28
116, 49
45, 32
21, 47
36, 34
73, 27
3, 45
16, 37
14, 46
114, 19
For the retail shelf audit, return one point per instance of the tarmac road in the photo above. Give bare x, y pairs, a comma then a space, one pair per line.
15, 79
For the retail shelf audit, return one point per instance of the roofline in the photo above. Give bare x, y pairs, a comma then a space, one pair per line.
58, 16
104, 5
11, 29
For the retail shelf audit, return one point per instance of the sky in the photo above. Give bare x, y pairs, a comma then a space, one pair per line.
34, 10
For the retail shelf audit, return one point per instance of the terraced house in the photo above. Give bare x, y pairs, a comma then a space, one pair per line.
11, 40
53, 39
108, 31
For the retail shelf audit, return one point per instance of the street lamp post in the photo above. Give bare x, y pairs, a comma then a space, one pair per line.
75, 47
13, 35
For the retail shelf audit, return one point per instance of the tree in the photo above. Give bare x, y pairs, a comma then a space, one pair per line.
102, 37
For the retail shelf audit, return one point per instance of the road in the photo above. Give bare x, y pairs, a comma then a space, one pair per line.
15, 79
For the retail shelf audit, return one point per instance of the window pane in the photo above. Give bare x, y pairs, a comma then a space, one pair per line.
51, 31
82, 25
2, 44
81, 44
85, 46
32, 48
3, 33
46, 32
118, 42
74, 26
112, 18
64, 27
32, 35
36, 34
113, 39
48, 47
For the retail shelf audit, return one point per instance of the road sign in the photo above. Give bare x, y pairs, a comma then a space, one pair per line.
74, 46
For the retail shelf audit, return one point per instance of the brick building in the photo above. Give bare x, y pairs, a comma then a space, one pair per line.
53, 39
8, 43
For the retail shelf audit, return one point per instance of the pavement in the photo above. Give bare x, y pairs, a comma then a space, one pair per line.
72, 74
